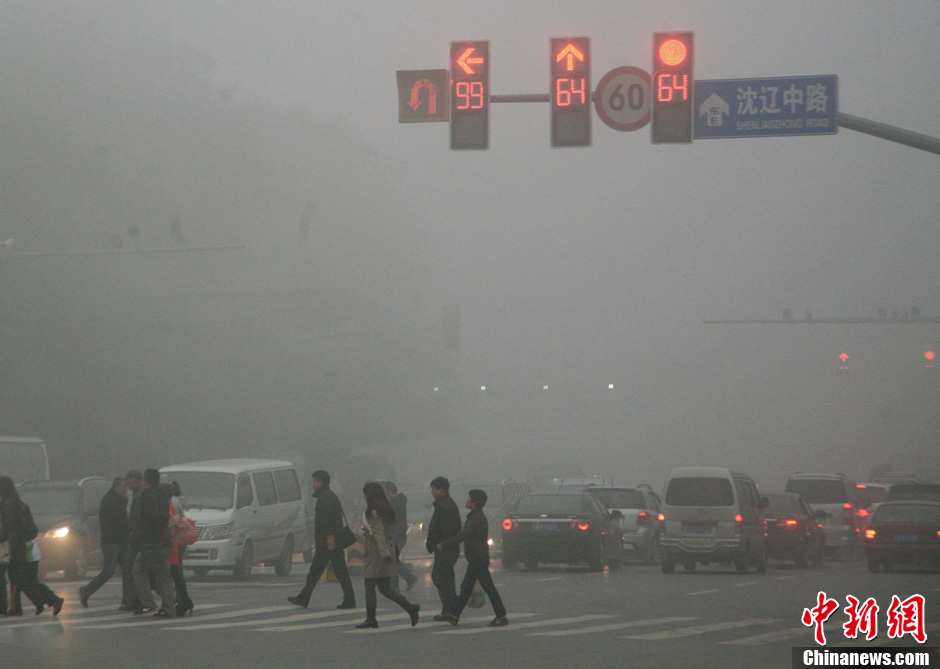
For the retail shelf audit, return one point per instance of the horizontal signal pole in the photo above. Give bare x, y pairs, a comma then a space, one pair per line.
825, 321
890, 132
525, 97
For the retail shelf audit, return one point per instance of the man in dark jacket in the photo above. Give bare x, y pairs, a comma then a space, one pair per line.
151, 532
115, 535
327, 523
475, 538
129, 601
400, 533
445, 523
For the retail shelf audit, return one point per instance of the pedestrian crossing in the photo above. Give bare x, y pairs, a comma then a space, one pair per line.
282, 619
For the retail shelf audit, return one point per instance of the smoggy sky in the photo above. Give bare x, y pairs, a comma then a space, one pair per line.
579, 268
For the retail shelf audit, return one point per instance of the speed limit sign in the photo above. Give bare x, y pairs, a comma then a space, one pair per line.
622, 98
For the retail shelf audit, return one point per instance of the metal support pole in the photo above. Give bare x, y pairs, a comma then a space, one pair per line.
890, 132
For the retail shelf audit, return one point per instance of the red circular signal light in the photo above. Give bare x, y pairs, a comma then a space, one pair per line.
929, 355
673, 52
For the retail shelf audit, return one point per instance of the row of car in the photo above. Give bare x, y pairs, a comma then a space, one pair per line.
714, 515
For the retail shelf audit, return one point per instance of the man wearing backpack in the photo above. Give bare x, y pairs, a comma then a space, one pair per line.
115, 534
18, 528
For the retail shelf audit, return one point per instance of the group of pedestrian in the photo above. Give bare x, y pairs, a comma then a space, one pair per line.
385, 531
20, 557
135, 535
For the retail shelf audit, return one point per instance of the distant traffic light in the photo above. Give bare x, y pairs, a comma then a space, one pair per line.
470, 95
673, 87
570, 65
928, 359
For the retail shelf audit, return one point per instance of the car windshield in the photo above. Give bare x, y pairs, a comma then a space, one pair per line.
819, 491
620, 499
871, 494
48, 501
204, 490
907, 513
700, 491
552, 505
914, 491
784, 504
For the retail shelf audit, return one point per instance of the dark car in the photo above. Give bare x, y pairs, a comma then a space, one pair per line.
903, 533
66, 513
926, 492
572, 528
793, 529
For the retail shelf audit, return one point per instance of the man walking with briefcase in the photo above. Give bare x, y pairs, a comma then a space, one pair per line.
328, 526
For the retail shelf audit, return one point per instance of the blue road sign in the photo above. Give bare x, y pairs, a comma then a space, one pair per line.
766, 107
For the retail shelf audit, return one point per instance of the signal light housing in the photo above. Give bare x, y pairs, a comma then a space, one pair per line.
570, 93
470, 95
673, 88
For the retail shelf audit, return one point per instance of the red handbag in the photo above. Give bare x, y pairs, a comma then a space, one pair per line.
182, 531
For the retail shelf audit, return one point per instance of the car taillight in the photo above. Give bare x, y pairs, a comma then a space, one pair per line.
510, 524
661, 518
863, 513
642, 518
583, 525
870, 534
791, 522
848, 513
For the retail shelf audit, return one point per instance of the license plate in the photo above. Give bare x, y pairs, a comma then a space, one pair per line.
697, 528
906, 538
545, 527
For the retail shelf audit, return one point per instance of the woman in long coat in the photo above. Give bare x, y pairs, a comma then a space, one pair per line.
379, 564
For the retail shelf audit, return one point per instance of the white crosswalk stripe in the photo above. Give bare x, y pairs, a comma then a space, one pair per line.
292, 617
681, 632
179, 621
594, 629
335, 623
463, 621
538, 623
772, 637
89, 618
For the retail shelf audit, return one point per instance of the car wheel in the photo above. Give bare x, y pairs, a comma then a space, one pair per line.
818, 557
689, 565
873, 566
200, 572
887, 566
761, 562
652, 554
243, 567
79, 565
596, 561
509, 564
284, 563
616, 564
740, 564
532, 565
308, 556
668, 564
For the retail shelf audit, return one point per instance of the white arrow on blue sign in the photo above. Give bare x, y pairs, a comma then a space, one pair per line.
773, 107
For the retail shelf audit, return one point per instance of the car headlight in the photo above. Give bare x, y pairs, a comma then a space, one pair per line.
217, 532
58, 533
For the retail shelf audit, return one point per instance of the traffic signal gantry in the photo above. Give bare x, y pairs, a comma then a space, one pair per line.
678, 108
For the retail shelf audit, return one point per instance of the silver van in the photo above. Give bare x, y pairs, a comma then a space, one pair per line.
247, 512
710, 514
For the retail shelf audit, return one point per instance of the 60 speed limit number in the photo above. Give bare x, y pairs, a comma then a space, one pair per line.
623, 98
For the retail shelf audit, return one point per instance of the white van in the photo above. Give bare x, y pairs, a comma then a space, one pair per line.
247, 512
710, 514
